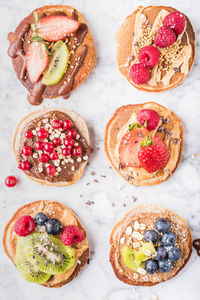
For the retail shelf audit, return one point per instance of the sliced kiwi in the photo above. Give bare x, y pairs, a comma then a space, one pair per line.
28, 270
49, 254
128, 255
144, 253
58, 64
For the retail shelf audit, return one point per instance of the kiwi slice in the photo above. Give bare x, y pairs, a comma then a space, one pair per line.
28, 270
49, 254
128, 255
58, 64
144, 253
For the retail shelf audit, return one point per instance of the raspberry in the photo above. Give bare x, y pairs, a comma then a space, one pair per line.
165, 37
139, 74
176, 21
24, 226
149, 115
149, 56
72, 235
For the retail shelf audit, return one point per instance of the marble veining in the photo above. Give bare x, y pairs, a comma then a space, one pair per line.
96, 101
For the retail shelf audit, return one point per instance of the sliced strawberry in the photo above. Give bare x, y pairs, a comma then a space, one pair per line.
36, 61
129, 146
55, 28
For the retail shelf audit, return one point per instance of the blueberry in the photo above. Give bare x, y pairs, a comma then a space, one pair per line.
41, 219
53, 226
151, 235
162, 225
161, 253
165, 265
168, 239
174, 254
151, 266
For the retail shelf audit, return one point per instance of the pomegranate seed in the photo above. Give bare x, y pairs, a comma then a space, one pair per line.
56, 124
39, 145
66, 151
28, 134
10, 181
77, 151
67, 124
69, 142
26, 151
71, 133
44, 158
25, 165
57, 141
50, 170
54, 156
49, 147
42, 134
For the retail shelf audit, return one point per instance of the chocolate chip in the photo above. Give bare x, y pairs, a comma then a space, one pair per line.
139, 134
124, 205
175, 141
134, 198
131, 57
129, 177
121, 166
176, 69
169, 134
166, 130
116, 128
165, 121
135, 142
161, 129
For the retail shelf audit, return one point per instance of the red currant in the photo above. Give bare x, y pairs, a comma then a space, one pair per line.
69, 142
50, 170
42, 134
10, 181
28, 134
54, 156
44, 158
49, 147
71, 133
26, 151
39, 145
25, 165
77, 151
57, 141
56, 124
66, 151
67, 124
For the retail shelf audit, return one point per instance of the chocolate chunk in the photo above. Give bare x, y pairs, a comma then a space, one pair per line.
169, 134
121, 166
165, 121
176, 69
129, 177
161, 129
175, 141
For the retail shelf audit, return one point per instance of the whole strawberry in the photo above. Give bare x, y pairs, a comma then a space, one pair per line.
176, 21
153, 154
165, 37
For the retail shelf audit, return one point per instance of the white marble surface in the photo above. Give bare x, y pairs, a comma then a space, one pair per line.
96, 101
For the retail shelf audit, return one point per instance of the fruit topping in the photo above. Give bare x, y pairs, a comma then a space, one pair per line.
139, 74
67, 124
28, 134
44, 158
69, 142
151, 266
71, 133
50, 170
57, 141
162, 225
153, 154
77, 151
42, 134
151, 235
48, 147
24, 226
58, 64
26, 151
149, 56
174, 254
55, 28
24, 166
150, 116
129, 146
56, 124
161, 253
53, 226
165, 265
48, 253
41, 219
72, 235
128, 255
176, 21
54, 156
10, 181
66, 151
168, 239
144, 253
165, 37
39, 145
36, 61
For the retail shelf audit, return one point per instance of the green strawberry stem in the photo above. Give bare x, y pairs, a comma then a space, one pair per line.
148, 141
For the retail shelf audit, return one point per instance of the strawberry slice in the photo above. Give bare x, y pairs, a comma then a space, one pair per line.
130, 145
55, 28
36, 61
